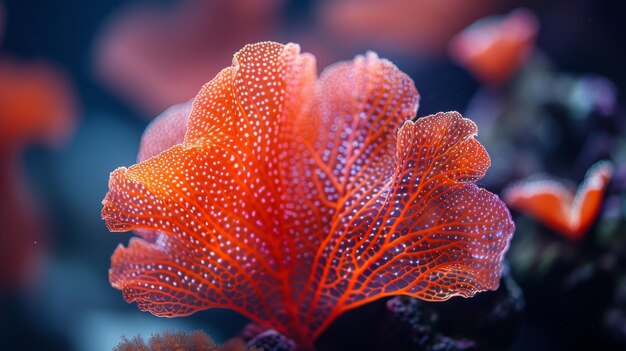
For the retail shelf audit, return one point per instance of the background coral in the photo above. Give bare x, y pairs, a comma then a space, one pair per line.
179, 341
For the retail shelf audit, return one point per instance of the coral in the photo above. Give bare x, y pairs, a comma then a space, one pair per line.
559, 207
156, 55
179, 341
409, 26
294, 198
167, 129
494, 48
37, 106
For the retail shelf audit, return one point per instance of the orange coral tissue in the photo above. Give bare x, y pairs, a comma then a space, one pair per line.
568, 211
494, 48
293, 198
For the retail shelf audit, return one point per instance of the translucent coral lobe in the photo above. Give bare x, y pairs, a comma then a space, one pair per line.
167, 130
293, 198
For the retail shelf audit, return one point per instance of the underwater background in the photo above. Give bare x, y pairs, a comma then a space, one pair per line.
88, 76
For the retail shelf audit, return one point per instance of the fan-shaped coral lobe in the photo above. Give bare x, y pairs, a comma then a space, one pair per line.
293, 198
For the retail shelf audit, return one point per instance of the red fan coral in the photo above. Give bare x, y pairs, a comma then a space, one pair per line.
563, 209
294, 198
496, 47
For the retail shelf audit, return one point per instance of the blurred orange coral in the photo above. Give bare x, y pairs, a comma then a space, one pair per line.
408, 26
559, 207
156, 56
36, 106
494, 48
